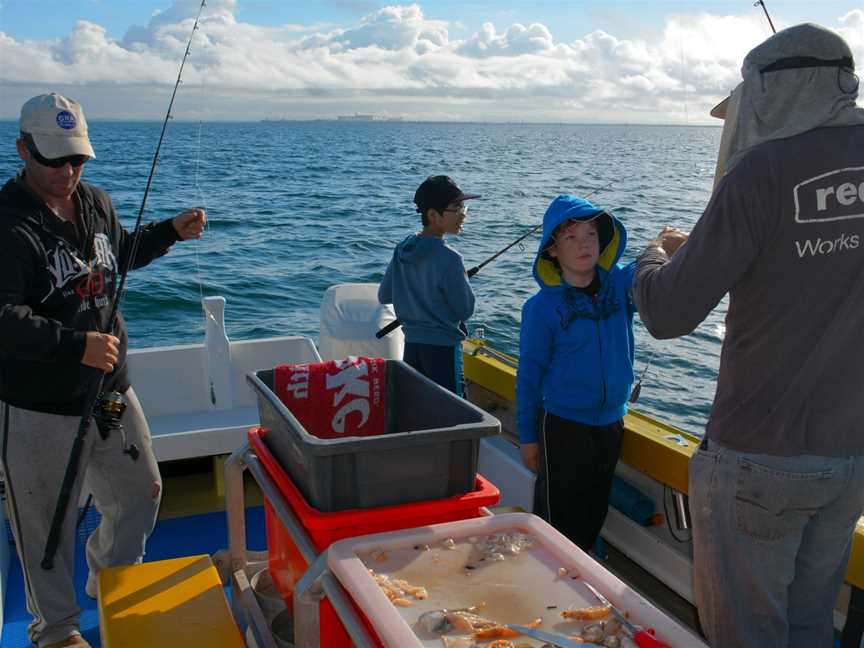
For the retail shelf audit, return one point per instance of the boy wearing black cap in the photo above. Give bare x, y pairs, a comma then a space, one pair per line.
427, 284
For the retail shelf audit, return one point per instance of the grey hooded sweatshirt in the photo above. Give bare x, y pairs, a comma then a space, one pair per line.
783, 235
427, 284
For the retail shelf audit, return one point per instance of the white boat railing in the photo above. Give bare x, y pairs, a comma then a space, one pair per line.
195, 396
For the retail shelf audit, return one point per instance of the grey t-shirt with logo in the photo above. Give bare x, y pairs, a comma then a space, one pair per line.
783, 234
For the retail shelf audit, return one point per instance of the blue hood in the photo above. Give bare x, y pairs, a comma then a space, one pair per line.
613, 236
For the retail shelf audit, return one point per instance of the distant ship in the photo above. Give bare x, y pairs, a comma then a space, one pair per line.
356, 117
359, 117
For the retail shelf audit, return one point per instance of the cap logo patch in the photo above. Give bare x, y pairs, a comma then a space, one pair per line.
66, 120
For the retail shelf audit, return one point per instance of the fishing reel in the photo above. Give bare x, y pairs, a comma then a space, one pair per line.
107, 413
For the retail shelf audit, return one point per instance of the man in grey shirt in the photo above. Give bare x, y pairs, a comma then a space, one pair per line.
777, 485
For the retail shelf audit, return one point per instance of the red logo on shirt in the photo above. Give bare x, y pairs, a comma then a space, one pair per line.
92, 284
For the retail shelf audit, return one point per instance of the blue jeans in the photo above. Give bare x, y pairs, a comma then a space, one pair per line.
771, 542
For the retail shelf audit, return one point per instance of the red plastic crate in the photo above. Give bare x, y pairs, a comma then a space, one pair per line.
287, 566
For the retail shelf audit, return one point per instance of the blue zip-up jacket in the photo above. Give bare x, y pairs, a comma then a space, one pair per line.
576, 351
427, 284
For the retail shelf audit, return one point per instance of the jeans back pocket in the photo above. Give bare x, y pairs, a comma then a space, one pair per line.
771, 504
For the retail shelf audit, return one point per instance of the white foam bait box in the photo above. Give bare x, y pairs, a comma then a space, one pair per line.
454, 564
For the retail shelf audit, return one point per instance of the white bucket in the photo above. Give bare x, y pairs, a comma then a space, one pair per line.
283, 629
269, 598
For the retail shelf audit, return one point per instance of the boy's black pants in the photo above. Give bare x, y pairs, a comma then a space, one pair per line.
577, 463
440, 363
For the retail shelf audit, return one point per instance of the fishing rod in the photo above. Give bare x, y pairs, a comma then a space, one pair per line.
94, 392
473, 271
392, 326
761, 3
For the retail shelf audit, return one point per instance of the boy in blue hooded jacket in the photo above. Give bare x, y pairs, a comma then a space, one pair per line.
576, 366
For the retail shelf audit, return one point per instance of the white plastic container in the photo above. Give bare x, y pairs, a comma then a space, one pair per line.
540, 583
350, 317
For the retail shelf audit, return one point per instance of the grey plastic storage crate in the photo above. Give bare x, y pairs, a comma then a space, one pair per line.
428, 451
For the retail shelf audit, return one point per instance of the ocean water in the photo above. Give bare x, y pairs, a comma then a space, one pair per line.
295, 207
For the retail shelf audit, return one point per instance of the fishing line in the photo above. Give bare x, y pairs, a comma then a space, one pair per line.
168, 116
201, 200
684, 82
637, 388
95, 387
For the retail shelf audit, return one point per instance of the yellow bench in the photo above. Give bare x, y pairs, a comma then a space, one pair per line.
178, 602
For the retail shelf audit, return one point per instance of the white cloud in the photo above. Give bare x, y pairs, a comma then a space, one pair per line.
852, 29
517, 40
399, 61
392, 28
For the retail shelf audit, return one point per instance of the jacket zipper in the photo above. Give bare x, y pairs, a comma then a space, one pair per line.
600, 349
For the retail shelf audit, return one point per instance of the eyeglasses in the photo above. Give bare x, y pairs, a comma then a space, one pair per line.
462, 210
56, 163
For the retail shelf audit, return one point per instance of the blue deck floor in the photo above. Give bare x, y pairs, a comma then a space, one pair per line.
197, 534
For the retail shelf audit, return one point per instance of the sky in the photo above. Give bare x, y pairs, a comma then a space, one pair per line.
632, 61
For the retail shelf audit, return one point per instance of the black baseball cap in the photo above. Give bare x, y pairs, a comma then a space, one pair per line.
436, 192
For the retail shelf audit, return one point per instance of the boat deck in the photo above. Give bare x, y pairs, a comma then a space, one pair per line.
191, 521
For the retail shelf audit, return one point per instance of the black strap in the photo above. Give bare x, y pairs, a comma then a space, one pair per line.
794, 62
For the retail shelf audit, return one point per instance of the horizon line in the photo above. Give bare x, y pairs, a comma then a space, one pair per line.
388, 121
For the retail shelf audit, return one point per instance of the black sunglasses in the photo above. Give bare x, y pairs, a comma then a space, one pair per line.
56, 163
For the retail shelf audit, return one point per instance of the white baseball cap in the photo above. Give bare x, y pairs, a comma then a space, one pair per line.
57, 126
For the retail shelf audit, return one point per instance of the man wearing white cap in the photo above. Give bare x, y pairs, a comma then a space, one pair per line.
777, 484
62, 250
